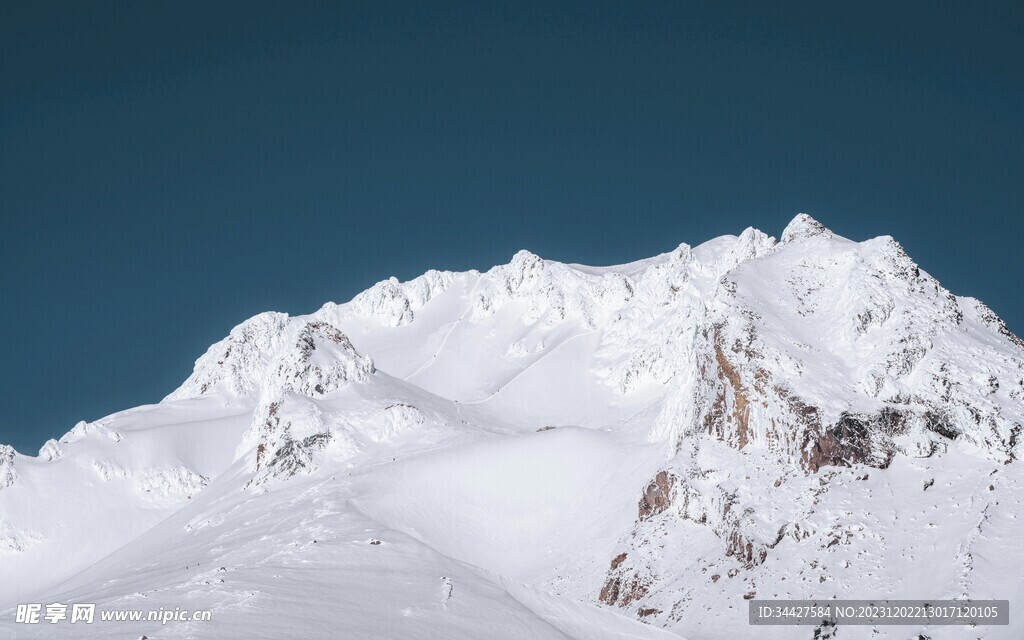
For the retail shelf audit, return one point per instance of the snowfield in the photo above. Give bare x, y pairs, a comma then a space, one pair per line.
550, 450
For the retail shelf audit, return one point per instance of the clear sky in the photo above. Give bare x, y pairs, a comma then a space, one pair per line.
168, 169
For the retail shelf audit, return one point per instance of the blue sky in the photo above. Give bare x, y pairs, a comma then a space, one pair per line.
169, 169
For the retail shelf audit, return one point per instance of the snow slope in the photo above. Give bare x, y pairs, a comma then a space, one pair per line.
552, 450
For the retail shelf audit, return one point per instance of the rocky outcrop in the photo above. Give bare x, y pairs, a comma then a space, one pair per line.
657, 496
291, 456
849, 441
318, 360
747, 552
623, 588
292, 432
288, 429
310, 356
802, 227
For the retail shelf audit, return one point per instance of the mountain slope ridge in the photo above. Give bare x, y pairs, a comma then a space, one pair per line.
732, 418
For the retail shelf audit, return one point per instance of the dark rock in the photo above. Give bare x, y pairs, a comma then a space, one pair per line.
940, 424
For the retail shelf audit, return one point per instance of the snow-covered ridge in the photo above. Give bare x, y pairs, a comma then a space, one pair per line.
396, 303
813, 417
271, 353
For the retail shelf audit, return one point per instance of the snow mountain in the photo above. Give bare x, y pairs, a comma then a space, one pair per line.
548, 450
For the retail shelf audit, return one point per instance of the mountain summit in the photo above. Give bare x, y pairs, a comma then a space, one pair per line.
553, 450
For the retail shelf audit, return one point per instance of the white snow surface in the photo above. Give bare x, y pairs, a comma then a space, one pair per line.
550, 450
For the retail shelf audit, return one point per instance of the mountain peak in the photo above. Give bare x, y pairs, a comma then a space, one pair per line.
804, 226
625, 434
524, 258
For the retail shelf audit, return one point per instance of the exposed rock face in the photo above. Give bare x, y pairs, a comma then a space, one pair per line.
657, 496
845, 443
288, 428
624, 588
293, 455
802, 227
290, 432
883, 377
991, 320
320, 359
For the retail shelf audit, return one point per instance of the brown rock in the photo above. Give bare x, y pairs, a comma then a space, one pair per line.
610, 590
657, 496
741, 409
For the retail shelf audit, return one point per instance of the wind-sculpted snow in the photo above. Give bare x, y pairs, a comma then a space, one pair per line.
51, 450
176, 483
652, 339
397, 419
574, 451
395, 303
13, 540
235, 363
108, 471
550, 292
84, 429
8, 474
